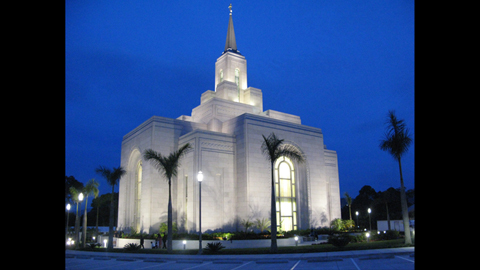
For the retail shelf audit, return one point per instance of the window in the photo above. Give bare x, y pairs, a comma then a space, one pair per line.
286, 202
221, 75
138, 195
237, 82
185, 209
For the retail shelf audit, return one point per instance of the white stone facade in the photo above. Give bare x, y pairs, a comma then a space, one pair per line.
225, 131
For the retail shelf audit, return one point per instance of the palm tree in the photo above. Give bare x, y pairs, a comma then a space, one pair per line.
91, 188
396, 142
274, 148
168, 167
112, 177
349, 202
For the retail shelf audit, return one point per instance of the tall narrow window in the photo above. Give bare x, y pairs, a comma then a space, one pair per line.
185, 209
221, 75
138, 195
285, 195
237, 82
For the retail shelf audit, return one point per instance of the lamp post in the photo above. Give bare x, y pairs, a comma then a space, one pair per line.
369, 219
66, 228
358, 225
200, 179
77, 220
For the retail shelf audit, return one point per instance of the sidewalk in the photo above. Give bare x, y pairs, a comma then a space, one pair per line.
249, 257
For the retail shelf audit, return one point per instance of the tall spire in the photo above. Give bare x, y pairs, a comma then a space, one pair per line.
231, 44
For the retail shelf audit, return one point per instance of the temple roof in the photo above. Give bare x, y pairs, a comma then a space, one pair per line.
231, 44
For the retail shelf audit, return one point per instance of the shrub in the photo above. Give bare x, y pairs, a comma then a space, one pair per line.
388, 235
214, 247
131, 246
357, 238
337, 224
92, 245
339, 240
391, 234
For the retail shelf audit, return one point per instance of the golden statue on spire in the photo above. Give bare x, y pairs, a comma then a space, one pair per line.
230, 7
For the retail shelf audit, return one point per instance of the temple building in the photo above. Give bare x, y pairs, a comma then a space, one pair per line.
225, 131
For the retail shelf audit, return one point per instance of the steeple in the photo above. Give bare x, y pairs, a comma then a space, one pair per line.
231, 44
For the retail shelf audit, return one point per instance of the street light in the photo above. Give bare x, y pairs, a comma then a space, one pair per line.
184, 243
369, 219
368, 236
77, 221
200, 179
358, 225
296, 240
68, 214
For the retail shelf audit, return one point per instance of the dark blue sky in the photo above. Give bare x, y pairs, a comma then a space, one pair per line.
339, 65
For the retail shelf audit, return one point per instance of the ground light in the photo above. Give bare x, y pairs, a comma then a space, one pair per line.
368, 236
184, 243
296, 240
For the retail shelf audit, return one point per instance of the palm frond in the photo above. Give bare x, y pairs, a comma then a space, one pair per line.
91, 188
112, 176
291, 152
167, 166
74, 193
270, 146
158, 161
397, 137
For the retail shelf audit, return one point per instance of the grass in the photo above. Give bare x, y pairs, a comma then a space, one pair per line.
291, 249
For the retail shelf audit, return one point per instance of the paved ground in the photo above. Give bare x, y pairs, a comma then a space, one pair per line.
396, 258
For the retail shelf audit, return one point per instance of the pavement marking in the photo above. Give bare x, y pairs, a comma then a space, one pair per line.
405, 259
295, 265
241, 265
113, 266
355, 264
156, 265
200, 265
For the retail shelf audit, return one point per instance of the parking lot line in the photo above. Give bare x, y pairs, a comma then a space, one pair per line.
156, 265
355, 264
295, 265
200, 265
242, 265
405, 259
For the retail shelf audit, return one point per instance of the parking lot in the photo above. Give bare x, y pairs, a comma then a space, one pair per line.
372, 261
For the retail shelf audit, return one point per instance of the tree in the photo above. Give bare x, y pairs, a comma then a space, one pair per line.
112, 177
91, 188
274, 148
70, 181
385, 198
349, 202
101, 208
396, 142
168, 167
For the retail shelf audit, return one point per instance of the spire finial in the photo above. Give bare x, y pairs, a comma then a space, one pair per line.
230, 7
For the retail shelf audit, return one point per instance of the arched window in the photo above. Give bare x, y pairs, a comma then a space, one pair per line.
138, 195
285, 194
